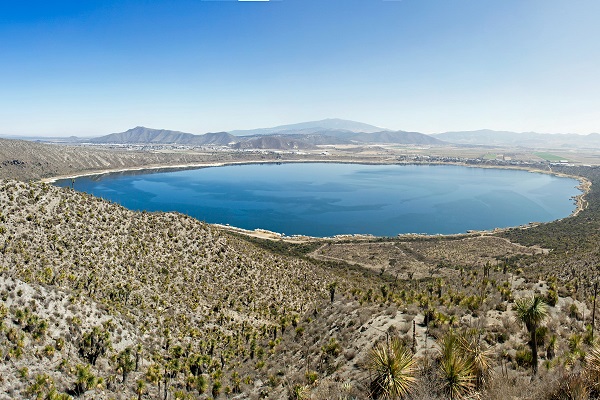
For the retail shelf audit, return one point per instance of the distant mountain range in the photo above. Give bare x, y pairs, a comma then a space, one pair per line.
143, 135
273, 142
308, 135
301, 136
331, 124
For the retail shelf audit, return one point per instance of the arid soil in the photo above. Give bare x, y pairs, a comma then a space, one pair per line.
102, 302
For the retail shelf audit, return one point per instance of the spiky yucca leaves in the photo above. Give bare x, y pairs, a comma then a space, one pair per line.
298, 392
457, 372
394, 369
140, 388
592, 368
449, 344
583, 384
479, 356
457, 376
85, 379
570, 386
532, 311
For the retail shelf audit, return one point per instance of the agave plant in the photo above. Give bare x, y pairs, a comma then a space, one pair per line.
394, 369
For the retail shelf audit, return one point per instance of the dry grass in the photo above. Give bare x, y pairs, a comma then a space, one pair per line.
204, 311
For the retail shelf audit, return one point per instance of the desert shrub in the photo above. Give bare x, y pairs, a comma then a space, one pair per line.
332, 348
541, 333
311, 377
524, 358
551, 297
574, 311
502, 337
569, 386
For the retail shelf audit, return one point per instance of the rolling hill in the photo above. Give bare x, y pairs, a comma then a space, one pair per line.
298, 136
396, 137
273, 142
143, 135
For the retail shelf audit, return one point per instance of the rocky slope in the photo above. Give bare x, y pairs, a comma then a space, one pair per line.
164, 285
25, 160
101, 302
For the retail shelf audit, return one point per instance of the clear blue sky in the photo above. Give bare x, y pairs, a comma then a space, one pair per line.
88, 67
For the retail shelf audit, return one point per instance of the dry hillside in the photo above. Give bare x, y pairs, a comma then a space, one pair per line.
25, 160
97, 301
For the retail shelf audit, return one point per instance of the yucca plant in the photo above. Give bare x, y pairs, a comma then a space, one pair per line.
592, 367
532, 311
394, 370
479, 357
85, 379
456, 368
140, 388
299, 392
457, 376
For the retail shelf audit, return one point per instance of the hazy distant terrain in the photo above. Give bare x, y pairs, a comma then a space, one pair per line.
306, 135
486, 137
332, 124
288, 137
142, 135
328, 132
273, 142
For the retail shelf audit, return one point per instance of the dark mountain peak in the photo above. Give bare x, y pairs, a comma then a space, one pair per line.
301, 137
143, 135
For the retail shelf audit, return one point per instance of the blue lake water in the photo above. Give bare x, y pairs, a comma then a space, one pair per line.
329, 199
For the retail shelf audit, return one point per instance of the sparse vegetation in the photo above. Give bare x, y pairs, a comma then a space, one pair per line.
394, 370
99, 299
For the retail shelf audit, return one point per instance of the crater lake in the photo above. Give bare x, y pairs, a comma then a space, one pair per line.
326, 199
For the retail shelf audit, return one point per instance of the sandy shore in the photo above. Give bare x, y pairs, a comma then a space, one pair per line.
145, 168
200, 165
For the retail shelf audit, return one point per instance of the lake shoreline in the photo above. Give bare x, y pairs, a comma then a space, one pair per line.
580, 201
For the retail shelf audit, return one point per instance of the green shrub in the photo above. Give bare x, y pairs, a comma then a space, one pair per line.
332, 348
552, 297
502, 337
311, 377
524, 358
216, 389
540, 335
